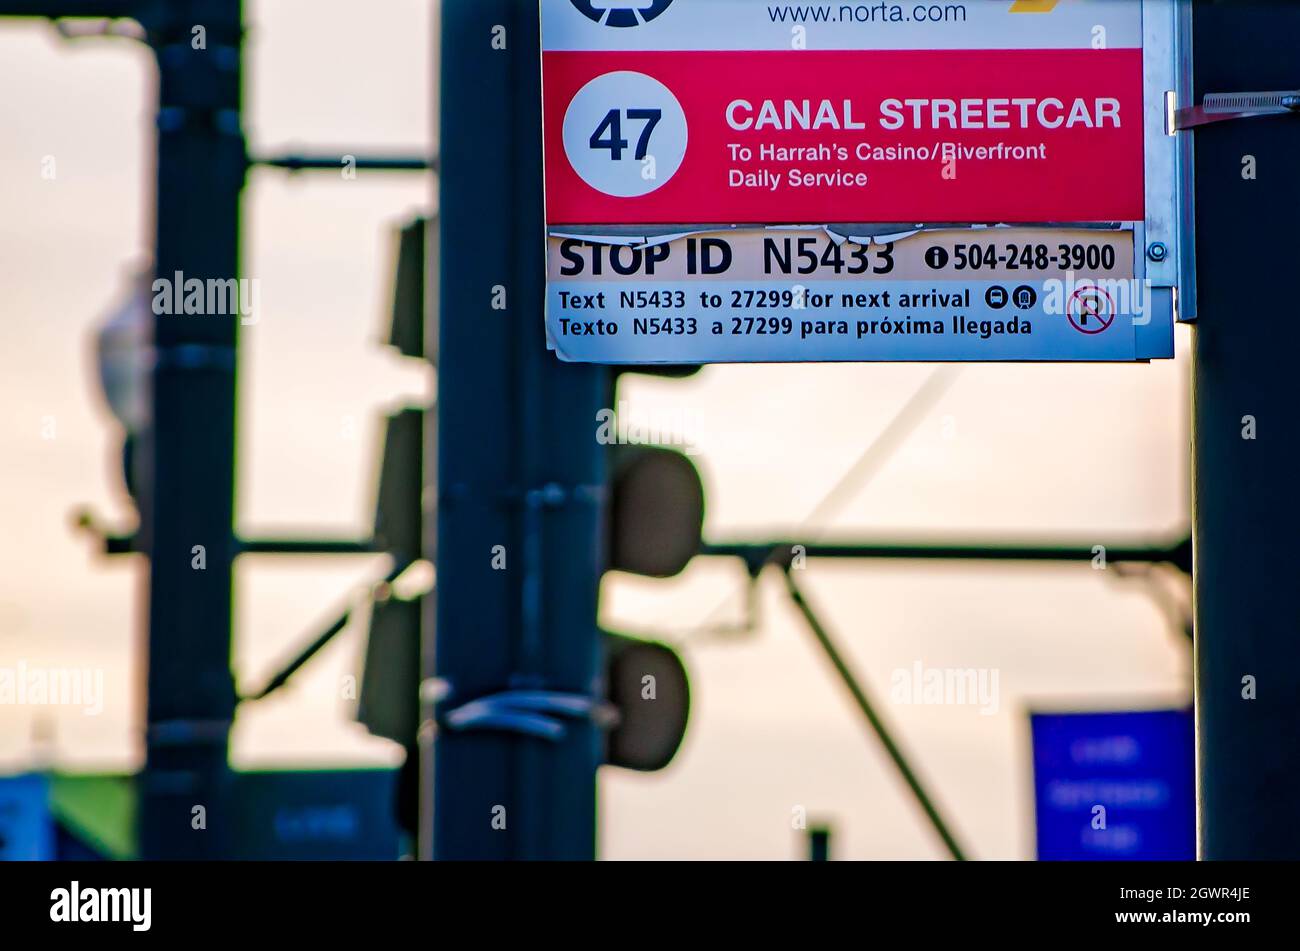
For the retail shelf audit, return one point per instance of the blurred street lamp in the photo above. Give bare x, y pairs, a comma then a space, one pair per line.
124, 361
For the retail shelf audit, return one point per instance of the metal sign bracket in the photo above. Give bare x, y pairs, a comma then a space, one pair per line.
1229, 106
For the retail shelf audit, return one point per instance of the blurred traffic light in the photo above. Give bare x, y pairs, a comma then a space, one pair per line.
409, 333
388, 701
655, 518
656, 510
388, 704
398, 515
390, 680
647, 684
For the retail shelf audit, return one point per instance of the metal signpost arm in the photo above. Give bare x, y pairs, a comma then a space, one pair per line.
758, 554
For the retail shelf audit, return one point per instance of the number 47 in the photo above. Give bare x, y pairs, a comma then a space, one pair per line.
614, 124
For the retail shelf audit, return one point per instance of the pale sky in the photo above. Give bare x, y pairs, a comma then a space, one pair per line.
1096, 454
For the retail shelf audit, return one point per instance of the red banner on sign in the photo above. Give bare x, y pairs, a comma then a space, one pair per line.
821, 137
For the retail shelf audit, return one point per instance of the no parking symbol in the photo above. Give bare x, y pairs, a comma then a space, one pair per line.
1091, 310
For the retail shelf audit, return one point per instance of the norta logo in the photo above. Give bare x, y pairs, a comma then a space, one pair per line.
621, 12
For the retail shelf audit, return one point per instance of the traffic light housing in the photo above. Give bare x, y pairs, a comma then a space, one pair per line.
653, 522
398, 515
388, 704
409, 332
646, 683
656, 511
654, 525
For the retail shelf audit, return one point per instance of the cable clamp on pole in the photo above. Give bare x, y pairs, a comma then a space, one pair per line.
536, 713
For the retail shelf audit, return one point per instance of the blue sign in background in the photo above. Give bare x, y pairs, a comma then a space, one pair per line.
1139, 766
26, 829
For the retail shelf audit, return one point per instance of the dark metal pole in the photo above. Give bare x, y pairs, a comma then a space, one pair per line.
819, 844
520, 477
188, 518
1245, 434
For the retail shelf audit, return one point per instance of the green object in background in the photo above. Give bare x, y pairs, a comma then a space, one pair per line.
313, 815
99, 809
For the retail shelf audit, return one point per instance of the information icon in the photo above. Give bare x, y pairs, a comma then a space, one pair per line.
936, 257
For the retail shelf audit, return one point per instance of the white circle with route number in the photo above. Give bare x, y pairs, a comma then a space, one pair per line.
625, 134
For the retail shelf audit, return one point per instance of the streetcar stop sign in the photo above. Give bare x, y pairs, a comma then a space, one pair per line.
745, 181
